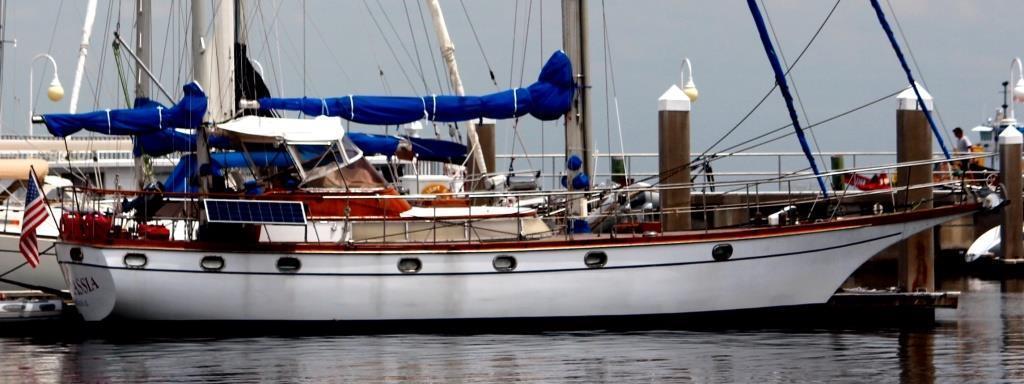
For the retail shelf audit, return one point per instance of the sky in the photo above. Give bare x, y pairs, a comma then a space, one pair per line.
962, 50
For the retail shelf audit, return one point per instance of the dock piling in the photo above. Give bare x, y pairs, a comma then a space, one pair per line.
1010, 142
914, 143
674, 158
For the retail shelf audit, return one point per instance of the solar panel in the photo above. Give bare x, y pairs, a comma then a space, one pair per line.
255, 211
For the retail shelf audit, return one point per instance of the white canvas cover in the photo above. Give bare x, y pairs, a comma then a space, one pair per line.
319, 130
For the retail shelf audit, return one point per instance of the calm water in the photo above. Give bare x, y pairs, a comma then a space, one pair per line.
982, 341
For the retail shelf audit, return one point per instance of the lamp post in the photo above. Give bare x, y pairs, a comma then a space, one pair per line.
1017, 92
55, 92
686, 80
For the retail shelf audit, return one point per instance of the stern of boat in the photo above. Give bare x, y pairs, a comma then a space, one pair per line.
89, 280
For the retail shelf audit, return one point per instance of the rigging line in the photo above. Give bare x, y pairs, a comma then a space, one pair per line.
526, 42
814, 37
476, 37
913, 60
330, 51
607, 102
415, 46
433, 55
732, 149
522, 70
540, 56
834, 117
390, 48
511, 71
515, 32
98, 91
266, 48
401, 43
792, 79
304, 48
615, 92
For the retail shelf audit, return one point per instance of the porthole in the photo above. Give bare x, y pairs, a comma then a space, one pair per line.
135, 260
288, 264
76, 254
721, 252
212, 263
595, 259
13, 307
504, 263
409, 265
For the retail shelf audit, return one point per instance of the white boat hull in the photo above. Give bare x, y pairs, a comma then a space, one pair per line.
47, 274
638, 279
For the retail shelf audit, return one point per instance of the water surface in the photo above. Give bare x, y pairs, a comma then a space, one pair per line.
982, 341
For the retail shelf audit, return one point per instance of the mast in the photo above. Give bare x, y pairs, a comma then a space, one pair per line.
3, 41
83, 51
577, 121
143, 36
448, 53
213, 46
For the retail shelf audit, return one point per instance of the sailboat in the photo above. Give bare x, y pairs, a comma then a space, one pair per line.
316, 234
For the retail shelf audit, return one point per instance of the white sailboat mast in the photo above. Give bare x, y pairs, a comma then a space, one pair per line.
577, 122
143, 36
213, 66
83, 51
448, 53
213, 55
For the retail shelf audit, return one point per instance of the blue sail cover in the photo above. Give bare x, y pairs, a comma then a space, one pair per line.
183, 175
547, 99
425, 149
170, 140
149, 118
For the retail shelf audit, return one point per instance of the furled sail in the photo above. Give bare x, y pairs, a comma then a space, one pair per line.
425, 149
547, 99
188, 113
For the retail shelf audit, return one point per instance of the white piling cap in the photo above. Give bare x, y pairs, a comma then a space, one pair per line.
674, 100
1011, 135
907, 100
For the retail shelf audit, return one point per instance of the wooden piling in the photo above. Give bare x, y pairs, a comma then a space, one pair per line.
1010, 142
674, 157
914, 143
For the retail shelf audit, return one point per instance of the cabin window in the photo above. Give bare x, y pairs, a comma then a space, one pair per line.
48, 307
504, 263
212, 263
135, 260
288, 264
721, 252
595, 259
76, 254
409, 265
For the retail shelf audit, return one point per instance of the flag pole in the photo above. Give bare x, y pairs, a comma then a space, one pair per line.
46, 203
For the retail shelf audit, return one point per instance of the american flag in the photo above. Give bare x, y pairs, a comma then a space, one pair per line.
35, 214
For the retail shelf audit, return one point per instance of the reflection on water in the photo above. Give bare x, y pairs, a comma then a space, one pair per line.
982, 341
